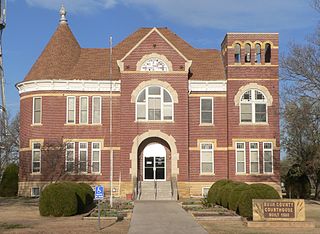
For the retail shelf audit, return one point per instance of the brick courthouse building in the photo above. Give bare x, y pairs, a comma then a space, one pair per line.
183, 115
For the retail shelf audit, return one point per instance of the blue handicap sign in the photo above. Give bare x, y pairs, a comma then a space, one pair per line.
99, 192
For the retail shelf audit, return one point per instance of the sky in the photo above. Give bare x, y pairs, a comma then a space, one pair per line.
202, 23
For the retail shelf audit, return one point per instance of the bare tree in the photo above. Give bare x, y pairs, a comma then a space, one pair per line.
53, 156
9, 145
300, 71
302, 138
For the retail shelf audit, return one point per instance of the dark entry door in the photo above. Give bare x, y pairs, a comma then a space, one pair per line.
154, 168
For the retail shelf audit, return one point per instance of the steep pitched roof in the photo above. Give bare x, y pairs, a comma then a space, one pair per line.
59, 56
64, 59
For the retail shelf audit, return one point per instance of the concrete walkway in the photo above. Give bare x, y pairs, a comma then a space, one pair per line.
162, 217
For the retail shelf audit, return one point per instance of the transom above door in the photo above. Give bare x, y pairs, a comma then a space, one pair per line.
154, 162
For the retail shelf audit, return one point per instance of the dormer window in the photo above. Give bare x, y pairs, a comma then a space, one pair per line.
154, 64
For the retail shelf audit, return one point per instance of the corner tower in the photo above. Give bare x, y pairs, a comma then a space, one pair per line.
251, 65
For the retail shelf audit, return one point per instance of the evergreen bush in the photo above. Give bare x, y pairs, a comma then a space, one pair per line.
235, 193
65, 199
226, 191
214, 191
255, 191
9, 181
58, 199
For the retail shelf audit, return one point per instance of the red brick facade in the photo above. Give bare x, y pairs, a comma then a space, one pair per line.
182, 136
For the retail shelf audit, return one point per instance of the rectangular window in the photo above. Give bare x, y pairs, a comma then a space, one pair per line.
205, 191
70, 156
240, 157
37, 108
35, 192
154, 108
206, 107
267, 157
36, 157
71, 109
96, 157
254, 157
261, 113
83, 110
96, 110
246, 112
206, 158
83, 157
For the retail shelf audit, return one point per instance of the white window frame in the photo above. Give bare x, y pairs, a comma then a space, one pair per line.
32, 160
79, 153
212, 157
212, 103
250, 159
74, 108
253, 103
87, 98
264, 150
32, 192
244, 150
96, 150
146, 89
202, 191
100, 101
73, 150
33, 110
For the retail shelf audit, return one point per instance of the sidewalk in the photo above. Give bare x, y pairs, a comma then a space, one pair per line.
162, 217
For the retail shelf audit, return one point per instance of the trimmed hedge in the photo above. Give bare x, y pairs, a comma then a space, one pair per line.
226, 191
214, 191
9, 182
238, 196
58, 199
256, 191
65, 199
235, 194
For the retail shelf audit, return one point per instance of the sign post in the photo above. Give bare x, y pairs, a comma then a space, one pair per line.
99, 195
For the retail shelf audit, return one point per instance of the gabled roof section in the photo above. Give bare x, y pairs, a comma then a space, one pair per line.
58, 58
161, 35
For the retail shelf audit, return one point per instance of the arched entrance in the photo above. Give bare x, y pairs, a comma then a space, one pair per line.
139, 144
154, 162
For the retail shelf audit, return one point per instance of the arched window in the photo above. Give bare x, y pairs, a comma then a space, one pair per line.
154, 64
253, 107
248, 53
267, 53
237, 53
154, 103
258, 53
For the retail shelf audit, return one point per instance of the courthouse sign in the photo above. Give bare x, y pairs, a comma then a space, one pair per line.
278, 210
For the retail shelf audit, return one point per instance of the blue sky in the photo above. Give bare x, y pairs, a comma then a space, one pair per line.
202, 23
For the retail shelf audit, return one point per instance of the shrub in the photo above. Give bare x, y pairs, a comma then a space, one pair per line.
213, 194
255, 191
89, 194
297, 184
226, 191
9, 182
235, 194
265, 191
58, 199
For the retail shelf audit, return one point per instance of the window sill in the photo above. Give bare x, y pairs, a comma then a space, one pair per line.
206, 124
254, 174
36, 125
154, 121
35, 173
254, 124
74, 124
207, 174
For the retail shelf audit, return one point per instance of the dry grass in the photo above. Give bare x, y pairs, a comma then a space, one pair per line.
20, 215
227, 227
